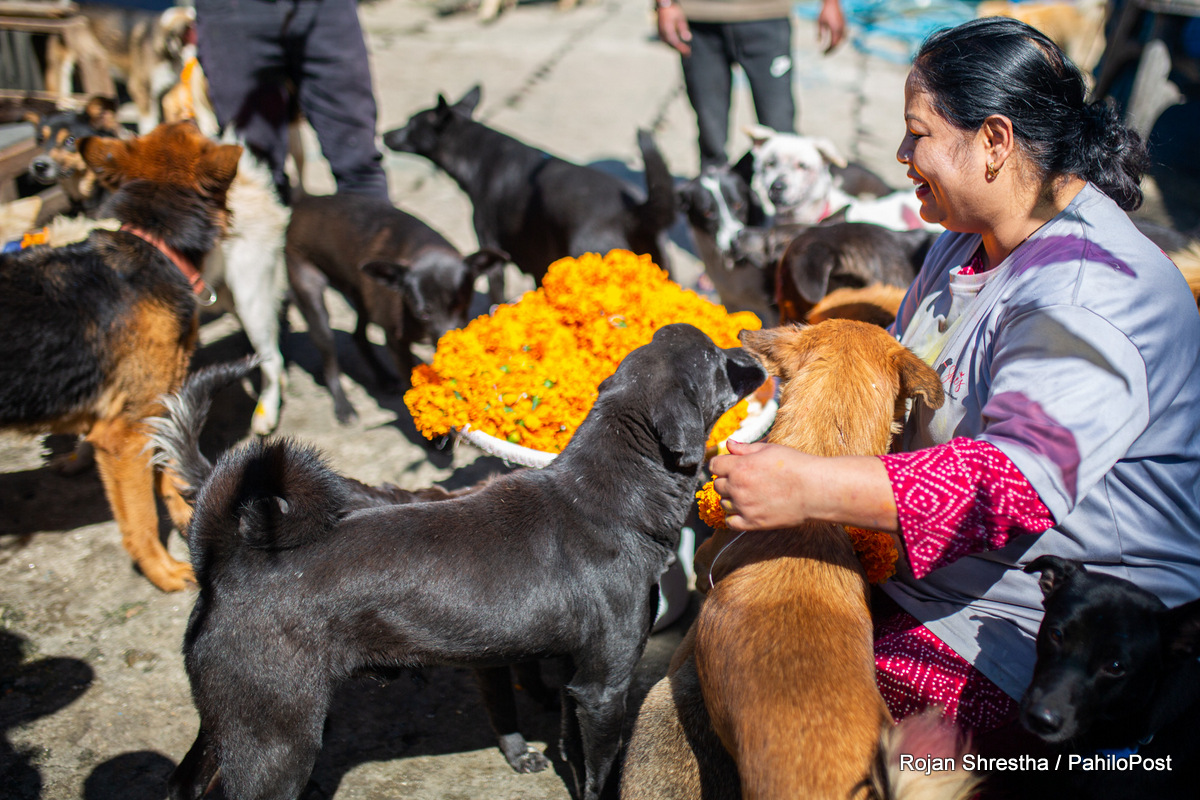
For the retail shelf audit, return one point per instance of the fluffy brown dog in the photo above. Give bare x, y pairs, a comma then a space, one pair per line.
782, 651
93, 334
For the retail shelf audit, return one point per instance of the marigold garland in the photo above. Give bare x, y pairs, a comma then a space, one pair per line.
875, 549
529, 372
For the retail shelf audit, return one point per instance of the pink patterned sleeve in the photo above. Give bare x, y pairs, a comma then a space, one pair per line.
960, 498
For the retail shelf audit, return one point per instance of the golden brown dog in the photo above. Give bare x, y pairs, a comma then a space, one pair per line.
93, 334
781, 653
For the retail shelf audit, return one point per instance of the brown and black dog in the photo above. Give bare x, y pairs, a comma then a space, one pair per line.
93, 334
772, 693
60, 162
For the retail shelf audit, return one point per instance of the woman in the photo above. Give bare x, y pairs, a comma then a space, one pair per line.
1068, 346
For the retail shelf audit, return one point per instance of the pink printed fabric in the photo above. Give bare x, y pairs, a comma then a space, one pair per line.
914, 670
959, 498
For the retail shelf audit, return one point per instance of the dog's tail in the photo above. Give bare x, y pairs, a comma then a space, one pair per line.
175, 436
928, 736
659, 211
268, 495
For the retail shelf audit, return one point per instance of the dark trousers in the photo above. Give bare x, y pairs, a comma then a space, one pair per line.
257, 53
764, 50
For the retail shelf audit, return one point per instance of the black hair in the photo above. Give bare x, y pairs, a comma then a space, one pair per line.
997, 65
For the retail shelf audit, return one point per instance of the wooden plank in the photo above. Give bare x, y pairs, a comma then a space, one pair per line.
33, 8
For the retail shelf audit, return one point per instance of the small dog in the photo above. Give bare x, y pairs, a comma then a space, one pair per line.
144, 48
93, 334
557, 562
719, 206
395, 270
60, 163
845, 255
778, 667
803, 180
534, 206
1116, 671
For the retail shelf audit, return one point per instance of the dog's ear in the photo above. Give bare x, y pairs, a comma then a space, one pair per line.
101, 113
829, 151
917, 379
104, 156
677, 423
485, 259
1055, 572
219, 166
391, 274
1180, 629
758, 134
809, 262
775, 349
467, 103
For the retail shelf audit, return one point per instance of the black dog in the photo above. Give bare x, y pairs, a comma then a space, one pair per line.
395, 270
845, 254
295, 596
534, 206
719, 205
176, 440
1116, 671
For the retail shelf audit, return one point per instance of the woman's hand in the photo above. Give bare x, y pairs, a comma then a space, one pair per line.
673, 28
768, 486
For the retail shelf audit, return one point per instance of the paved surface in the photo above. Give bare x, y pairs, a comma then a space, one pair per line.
93, 699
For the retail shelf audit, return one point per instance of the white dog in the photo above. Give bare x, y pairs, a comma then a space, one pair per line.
794, 180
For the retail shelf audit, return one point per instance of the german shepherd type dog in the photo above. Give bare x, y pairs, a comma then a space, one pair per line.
564, 561
93, 334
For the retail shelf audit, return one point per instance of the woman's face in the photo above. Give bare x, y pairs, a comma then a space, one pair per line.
946, 164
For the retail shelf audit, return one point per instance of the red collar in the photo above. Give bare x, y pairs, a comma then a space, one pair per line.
206, 295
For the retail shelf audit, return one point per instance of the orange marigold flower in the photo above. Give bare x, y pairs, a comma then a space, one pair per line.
530, 371
877, 552
709, 503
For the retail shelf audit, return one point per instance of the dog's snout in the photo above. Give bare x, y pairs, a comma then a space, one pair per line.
1042, 720
43, 169
777, 189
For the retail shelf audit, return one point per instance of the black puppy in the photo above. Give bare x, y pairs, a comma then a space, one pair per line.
60, 161
534, 206
296, 596
718, 205
395, 270
1116, 671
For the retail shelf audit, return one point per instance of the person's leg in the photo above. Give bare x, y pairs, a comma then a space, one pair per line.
764, 49
333, 81
707, 77
240, 50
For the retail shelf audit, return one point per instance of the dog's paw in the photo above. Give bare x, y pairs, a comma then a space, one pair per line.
170, 575
530, 761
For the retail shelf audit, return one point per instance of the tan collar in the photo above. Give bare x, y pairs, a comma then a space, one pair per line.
205, 295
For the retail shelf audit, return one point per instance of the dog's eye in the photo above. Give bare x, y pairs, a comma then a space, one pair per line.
1114, 669
1055, 635
70, 142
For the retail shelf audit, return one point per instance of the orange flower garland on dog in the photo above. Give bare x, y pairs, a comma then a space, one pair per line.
875, 549
529, 373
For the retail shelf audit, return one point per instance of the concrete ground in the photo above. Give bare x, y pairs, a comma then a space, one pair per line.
94, 703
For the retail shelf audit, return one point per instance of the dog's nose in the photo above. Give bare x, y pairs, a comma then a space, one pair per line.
1042, 720
42, 168
776, 189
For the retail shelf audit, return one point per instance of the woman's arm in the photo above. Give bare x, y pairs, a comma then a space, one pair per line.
771, 486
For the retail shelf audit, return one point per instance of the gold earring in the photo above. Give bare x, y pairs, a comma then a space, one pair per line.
992, 171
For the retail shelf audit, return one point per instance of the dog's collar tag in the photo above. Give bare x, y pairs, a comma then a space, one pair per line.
204, 295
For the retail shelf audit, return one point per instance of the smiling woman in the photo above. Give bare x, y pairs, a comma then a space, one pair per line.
1068, 346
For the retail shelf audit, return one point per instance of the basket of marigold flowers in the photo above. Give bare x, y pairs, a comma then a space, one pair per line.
518, 382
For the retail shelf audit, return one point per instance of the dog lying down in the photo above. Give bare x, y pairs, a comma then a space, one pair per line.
296, 596
1116, 673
